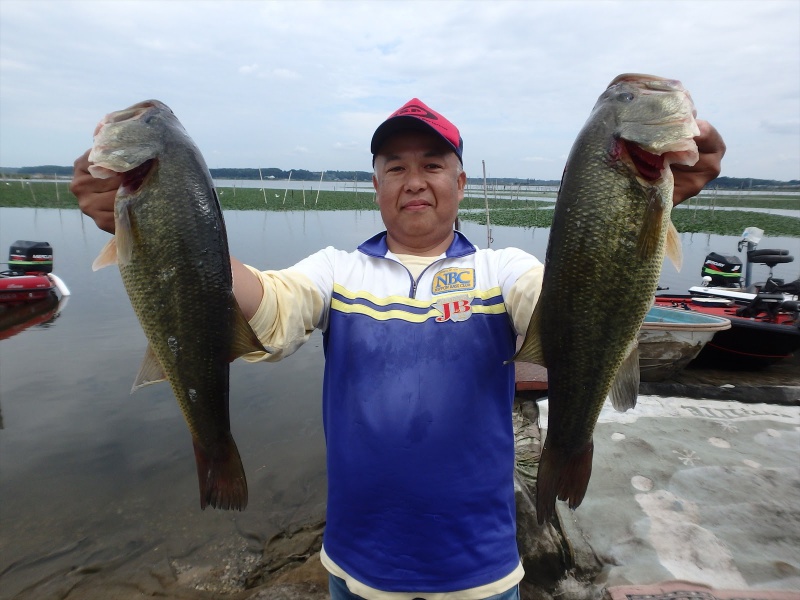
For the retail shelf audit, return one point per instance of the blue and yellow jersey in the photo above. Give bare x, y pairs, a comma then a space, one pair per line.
417, 401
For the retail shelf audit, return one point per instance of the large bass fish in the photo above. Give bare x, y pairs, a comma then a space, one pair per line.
610, 231
172, 252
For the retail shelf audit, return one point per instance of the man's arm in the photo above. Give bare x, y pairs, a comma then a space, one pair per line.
690, 180
96, 200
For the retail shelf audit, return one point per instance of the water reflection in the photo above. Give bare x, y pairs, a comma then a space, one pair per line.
96, 479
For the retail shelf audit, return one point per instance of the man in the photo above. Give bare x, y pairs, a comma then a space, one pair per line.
417, 400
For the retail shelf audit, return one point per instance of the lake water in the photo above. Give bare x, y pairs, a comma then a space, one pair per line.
98, 483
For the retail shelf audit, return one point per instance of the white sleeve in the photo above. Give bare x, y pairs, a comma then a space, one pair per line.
521, 290
289, 312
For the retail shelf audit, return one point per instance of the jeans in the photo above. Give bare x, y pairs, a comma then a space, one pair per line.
339, 591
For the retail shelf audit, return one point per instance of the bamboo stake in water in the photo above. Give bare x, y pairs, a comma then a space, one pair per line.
319, 188
263, 191
287, 186
486, 199
58, 199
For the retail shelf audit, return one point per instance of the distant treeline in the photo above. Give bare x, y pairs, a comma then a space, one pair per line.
737, 183
722, 183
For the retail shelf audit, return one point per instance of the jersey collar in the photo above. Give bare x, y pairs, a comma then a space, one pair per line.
376, 246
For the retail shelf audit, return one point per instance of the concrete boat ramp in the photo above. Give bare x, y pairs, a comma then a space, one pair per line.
698, 484
704, 491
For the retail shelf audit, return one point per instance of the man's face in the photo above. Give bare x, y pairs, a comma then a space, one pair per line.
419, 184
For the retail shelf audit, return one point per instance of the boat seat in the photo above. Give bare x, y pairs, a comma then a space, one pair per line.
762, 303
769, 257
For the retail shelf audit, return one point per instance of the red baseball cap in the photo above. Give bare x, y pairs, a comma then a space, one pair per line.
416, 115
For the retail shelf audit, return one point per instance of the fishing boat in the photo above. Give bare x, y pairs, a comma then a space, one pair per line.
29, 277
670, 338
765, 317
17, 317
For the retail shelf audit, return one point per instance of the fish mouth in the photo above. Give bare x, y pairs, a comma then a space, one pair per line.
134, 179
649, 166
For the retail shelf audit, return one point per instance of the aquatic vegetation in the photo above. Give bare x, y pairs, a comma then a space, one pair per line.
707, 213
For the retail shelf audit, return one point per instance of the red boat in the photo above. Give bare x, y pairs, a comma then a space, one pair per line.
25, 288
751, 342
765, 317
16, 318
29, 277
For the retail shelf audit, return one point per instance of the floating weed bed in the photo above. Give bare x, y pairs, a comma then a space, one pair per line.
722, 222
696, 215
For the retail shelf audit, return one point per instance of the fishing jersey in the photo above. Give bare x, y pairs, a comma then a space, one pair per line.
417, 401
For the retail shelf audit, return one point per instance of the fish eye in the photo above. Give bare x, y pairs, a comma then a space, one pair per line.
625, 97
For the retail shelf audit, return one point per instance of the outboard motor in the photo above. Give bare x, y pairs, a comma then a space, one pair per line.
724, 271
30, 257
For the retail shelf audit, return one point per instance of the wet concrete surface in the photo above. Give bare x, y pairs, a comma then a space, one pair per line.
706, 491
778, 383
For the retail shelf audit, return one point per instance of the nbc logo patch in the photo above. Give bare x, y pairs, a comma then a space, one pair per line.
453, 280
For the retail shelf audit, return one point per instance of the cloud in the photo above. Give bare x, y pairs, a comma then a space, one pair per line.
250, 79
247, 69
285, 74
786, 127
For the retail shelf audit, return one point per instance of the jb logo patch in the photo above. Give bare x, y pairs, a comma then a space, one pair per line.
453, 280
454, 308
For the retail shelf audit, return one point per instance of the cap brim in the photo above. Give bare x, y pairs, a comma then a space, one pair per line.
404, 123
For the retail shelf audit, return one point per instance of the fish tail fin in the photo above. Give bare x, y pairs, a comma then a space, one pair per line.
562, 476
221, 475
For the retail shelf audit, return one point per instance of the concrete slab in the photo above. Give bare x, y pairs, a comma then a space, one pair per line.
699, 490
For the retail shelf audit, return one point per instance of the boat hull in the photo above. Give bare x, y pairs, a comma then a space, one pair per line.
25, 288
750, 343
670, 338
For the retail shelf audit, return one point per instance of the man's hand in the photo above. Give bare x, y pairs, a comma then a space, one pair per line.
690, 180
95, 196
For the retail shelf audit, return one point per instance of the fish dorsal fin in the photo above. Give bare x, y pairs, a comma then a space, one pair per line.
245, 339
107, 256
650, 235
531, 349
150, 372
625, 388
674, 250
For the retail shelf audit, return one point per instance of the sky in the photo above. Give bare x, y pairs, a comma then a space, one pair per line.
303, 84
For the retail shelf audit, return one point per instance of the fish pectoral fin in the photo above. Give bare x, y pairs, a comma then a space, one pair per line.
245, 339
625, 388
150, 372
107, 256
674, 250
649, 238
531, 349
124, 235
